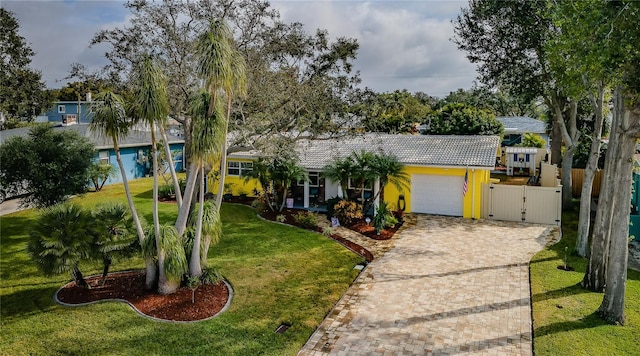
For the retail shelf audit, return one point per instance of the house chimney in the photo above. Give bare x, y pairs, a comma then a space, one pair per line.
89, 96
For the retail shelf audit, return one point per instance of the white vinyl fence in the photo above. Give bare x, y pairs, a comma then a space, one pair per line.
540, 205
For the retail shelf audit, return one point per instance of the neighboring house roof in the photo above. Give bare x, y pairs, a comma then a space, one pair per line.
413, 150
134, 139
521, 125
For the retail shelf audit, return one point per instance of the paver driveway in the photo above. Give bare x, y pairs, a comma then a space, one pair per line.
448, 286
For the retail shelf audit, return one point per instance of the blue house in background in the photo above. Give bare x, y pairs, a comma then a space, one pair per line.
516, 126
134, 149
70, 112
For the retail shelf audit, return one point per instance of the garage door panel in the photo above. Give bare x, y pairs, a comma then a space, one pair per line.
436, 194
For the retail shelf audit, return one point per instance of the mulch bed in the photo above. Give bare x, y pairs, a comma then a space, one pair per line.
129, 286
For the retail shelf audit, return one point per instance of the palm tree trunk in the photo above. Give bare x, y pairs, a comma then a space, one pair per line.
284, 199
106, 262
78, 277
185, 209
150, 265
195, 269
164, 286
172, 168
223, 158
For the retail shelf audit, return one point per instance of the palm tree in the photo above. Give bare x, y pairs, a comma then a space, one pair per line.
110, 120
60, 239
211, 232
363, 172
114, 235
285, 171
339, 171
260, 172
237, 82
150, 105
388, 169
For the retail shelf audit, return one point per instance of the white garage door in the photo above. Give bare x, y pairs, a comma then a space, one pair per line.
433, 194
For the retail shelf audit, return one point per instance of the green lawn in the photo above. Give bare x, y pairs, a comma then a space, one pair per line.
278, 273
563, 313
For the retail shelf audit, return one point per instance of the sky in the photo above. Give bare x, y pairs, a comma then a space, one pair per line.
403, 44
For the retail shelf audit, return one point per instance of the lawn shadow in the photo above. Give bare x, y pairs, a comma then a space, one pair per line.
590, 321
28, 301
559, 293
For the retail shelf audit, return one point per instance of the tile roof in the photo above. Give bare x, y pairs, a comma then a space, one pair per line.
522, 124
413, 150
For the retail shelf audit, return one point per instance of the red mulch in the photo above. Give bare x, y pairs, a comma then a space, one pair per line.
209, 299
359, 226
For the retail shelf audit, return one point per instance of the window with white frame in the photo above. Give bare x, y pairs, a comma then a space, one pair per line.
103, 157
352, 186
61, 109
314, 179
236, 168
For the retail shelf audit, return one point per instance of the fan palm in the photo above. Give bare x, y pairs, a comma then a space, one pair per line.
60, 239
114, 235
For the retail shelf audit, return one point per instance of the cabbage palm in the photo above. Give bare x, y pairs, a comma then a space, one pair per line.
151, 106
60, 239
110, 120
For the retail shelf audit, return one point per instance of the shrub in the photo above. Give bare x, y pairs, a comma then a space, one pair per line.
211, 276
165, 192
382, 217
331, 203
306, 219
346, 211
281, 218
259, 204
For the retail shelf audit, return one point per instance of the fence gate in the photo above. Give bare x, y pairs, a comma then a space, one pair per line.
540, 205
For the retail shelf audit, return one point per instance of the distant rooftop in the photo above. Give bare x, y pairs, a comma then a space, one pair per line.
522, 124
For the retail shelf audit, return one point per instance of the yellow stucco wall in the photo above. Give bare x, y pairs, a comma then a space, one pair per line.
471, 202
236, 183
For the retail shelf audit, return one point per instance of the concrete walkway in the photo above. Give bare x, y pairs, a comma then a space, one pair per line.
446, 286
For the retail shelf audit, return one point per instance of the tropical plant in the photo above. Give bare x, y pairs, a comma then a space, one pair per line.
99, 174
306, 219
388, 169
284, 171
150, 105
533, 140
110, 121
114, 235
60, 239
339, 171
382, 217
193, 282
50, 164
346, 211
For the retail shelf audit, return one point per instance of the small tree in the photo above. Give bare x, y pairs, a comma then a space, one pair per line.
99, 174
533, 140
52, 164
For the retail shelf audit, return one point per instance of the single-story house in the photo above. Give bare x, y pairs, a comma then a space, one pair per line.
516, 126
134, 149
439, 168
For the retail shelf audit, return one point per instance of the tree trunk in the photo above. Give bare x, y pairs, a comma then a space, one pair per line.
223, 159
570, 136
78, 277
150, 265
185, 209
106, 262
195, 269
612, 307
584, 222
595, 275
172, 168
164, 285
556, 143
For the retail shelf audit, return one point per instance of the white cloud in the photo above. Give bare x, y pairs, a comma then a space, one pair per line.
403, 44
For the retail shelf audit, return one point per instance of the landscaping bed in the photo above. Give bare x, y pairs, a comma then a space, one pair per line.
209, 299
